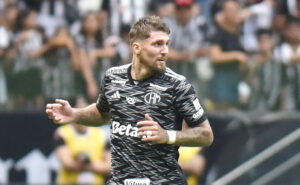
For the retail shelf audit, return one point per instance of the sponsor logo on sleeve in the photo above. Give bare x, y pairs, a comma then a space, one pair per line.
198, 108
198, 114
196, 104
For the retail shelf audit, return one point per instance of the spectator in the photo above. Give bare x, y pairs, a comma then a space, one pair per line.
102, 16
266, 78
121, 45
4, 4
26, 84
124, 12
62, 63
85, 7
228, 56
285, 9
33, 5
205, 7
192, 163
186, 41
261, 18
289, 54
162, 8
3, 87
92, 51
10, 17
83, 153
52, 15
7, 28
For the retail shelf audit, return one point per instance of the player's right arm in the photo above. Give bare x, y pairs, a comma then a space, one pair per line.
61, 112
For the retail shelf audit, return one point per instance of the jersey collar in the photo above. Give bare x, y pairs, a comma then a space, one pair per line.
131, 81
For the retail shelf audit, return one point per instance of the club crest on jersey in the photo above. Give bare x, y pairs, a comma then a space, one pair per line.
152, 98
196, 104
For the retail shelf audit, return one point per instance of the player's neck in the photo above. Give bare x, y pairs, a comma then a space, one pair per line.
139, 71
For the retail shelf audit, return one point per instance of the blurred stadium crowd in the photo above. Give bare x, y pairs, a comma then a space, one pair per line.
238, 54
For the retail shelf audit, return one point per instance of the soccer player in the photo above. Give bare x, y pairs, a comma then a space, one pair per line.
146, 104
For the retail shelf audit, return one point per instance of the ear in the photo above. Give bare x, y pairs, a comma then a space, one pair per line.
136, 48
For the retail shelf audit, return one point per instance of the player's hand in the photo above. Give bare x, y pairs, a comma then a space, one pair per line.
60, 112
150, 130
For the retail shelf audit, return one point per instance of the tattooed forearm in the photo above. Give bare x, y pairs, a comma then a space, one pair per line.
197, 136
90, 116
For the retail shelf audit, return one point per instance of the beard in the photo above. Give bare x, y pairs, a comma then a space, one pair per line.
157, 67
159, 70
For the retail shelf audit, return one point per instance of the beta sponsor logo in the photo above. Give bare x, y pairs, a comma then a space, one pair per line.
152, 98
127, 130
198, 114
141, 181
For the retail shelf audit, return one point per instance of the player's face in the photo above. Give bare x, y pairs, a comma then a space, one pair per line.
154, 51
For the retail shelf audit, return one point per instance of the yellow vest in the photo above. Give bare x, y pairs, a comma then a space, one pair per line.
186, 154
91, 143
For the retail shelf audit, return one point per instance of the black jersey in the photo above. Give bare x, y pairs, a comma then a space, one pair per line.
168, 99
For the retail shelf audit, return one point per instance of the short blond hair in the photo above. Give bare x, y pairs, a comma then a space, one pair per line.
142, 28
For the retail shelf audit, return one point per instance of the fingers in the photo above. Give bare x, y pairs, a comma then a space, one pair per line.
53, 106
63, 102
147, 133
146, 123
52, 115
148, 117
149, 121
149, 138
146, 128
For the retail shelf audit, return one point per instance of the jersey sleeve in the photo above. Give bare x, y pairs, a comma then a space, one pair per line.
102, 103
187, 104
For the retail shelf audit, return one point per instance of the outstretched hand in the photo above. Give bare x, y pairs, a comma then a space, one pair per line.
150, 130
60, 112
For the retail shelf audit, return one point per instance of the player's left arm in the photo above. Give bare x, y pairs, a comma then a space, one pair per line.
197, 132
200, 135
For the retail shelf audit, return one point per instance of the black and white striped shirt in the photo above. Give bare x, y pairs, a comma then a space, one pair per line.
168, 99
